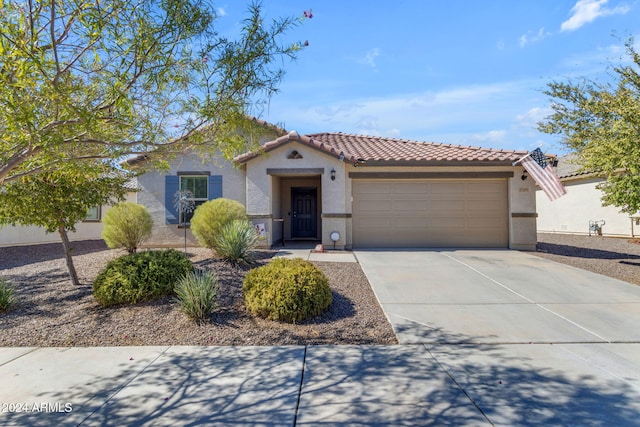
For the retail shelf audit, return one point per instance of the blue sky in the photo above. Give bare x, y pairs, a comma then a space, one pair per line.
466, 72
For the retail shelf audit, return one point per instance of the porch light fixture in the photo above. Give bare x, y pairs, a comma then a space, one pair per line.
335, 236
524, 175
333, 174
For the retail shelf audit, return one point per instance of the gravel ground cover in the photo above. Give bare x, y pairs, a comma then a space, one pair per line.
53, 312
611, 256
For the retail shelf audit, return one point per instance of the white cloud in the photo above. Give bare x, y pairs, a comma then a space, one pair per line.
221, 11
532, 117
586, 11
370, 58
530, 37
491, 137
478, 115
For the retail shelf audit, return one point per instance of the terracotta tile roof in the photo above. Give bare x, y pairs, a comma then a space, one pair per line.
568, 167
380, 150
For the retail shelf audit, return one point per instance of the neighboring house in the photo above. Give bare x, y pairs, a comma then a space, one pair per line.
89, 229
582, 206
364, 191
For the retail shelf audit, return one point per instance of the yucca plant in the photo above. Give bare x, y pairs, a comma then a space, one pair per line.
197, 294
236, 242
7, 297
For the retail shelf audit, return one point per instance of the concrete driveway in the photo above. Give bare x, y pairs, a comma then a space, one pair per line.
498, 297
530, 341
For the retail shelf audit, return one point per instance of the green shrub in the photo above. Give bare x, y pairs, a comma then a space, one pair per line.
141, 276
209, 218
288, 290
7, 298
197, 294
126, 225
236, 242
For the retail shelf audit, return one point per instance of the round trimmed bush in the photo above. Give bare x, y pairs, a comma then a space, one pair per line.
141, 276
126, 225
288, 290
209, 218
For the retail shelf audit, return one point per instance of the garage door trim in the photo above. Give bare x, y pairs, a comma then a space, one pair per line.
430, 175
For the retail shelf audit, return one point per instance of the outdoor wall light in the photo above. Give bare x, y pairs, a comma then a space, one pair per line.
524, 175
333, 174
335, 236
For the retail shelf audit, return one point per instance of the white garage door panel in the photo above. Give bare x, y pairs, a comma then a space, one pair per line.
430, 213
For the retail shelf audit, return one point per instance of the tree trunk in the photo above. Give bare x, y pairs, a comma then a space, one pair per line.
67, 255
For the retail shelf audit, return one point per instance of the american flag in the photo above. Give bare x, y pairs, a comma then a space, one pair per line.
543, 174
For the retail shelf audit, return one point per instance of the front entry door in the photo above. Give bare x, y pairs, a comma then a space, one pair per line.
304, 219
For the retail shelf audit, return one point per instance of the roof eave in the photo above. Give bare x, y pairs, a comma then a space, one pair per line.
294, 136
442, 162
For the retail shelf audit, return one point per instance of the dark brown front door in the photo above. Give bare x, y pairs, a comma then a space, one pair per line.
304, 219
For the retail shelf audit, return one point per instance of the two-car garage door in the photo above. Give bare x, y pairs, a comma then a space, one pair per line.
430, 213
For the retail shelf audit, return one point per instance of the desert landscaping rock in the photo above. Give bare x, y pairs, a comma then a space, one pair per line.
616, 257
52, 312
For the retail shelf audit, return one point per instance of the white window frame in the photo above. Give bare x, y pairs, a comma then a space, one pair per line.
93, 218
195, 199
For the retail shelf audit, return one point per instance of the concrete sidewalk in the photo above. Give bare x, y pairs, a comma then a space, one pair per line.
320, 385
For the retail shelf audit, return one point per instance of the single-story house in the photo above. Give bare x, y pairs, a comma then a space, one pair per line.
353, 191
580, 211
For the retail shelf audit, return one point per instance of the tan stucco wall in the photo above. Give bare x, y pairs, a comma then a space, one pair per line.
572, 212
268, 196
19, 235
152, 194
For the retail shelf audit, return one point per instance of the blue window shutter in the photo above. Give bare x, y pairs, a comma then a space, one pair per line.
215, 186
171, 186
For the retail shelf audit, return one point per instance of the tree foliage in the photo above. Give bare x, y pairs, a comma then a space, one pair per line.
58, 200
100, 79
600, 122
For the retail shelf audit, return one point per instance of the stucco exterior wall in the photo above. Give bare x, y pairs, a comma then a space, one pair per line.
30, 235
572, 212
522, 213
152, 194
271, 176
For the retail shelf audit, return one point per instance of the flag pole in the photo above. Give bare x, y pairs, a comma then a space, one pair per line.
521, 159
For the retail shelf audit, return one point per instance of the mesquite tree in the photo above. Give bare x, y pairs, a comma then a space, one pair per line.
101, 79
57, 201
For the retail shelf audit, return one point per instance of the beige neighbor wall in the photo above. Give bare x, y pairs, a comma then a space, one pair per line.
572, 212
267, 194
521, 194
86, 230
152, 194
